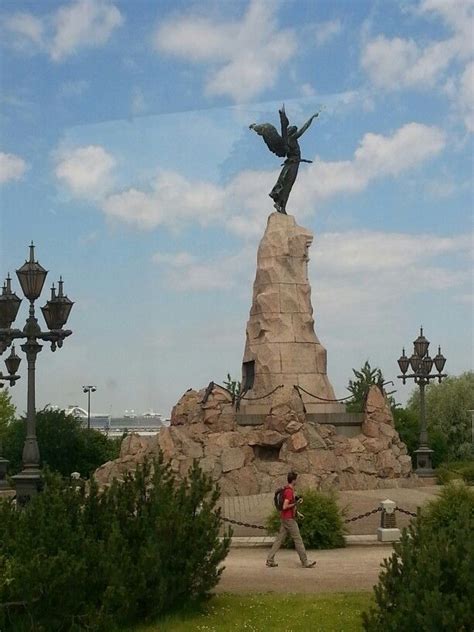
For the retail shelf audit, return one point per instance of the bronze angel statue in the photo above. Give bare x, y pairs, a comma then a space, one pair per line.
287, 146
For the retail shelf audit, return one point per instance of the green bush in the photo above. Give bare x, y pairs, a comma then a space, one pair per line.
74, 561
65, 446
463, 470
322, 526
427, 585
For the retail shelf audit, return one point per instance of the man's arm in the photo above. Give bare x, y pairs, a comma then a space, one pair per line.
288, 505
303, 129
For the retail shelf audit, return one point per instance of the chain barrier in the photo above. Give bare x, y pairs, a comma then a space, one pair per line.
363, 515
347, 520
253, 399
323, 399
259, 526
405, 511
244, 524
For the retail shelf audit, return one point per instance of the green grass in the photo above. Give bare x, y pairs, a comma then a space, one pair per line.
272, 612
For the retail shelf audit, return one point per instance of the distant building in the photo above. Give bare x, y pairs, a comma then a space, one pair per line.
148, 423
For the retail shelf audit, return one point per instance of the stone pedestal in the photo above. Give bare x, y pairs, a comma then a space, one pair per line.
388, 531
282, 349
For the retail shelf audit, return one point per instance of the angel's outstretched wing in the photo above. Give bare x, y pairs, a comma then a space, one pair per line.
272, 138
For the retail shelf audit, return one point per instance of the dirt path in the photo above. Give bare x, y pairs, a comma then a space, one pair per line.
340, 570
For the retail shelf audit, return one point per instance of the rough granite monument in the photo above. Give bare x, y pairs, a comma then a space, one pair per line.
286, 415
281, 347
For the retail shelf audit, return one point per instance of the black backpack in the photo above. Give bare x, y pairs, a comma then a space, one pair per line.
278, 499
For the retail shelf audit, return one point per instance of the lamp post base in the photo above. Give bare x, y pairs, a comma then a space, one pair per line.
423, 461
27, 484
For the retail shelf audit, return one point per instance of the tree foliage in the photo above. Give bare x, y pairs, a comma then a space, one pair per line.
74, 561
448, 418
233, 386
427, 585
359, 387
7, 411
65, 446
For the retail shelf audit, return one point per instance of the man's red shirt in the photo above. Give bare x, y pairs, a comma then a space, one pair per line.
289, 495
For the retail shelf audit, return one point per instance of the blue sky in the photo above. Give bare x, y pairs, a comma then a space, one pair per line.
125, 155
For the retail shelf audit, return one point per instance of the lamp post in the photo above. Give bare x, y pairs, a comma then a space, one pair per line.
89, 389
32, 276
421, 364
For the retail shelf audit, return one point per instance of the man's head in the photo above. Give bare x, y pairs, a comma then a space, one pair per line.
292, 130
291, 478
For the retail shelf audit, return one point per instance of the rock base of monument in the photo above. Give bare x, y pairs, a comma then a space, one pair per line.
253, 459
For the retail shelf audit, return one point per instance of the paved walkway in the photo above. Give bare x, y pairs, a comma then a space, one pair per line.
339, 570
255, 509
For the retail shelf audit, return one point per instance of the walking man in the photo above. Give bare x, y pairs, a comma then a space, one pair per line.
289, 526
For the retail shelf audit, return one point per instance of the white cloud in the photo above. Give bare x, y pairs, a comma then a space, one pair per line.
466, 96
80, 24
24, 31
83, 24
242, 204
365, 273
185, 272
245, 56
369, 274
326, 31
171, 201
377, 156
85, 171
365, 251
398, 63
11, 167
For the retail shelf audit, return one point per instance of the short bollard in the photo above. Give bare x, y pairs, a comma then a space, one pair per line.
388, 532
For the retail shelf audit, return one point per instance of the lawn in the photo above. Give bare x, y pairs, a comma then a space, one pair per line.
335, 612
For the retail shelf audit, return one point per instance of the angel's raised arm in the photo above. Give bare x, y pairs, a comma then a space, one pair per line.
284, 124
303, 129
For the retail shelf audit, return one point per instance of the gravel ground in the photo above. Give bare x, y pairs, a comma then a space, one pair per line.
339, 570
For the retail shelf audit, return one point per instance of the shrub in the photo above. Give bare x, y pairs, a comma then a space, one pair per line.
463, 470
74, 561
427, 585
65, 446
322, 526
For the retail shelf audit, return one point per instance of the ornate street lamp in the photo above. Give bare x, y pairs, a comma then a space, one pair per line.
31, 276
89, 389
421, 365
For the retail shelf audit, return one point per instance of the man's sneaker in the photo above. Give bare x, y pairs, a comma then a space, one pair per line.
309, 565
271, 564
